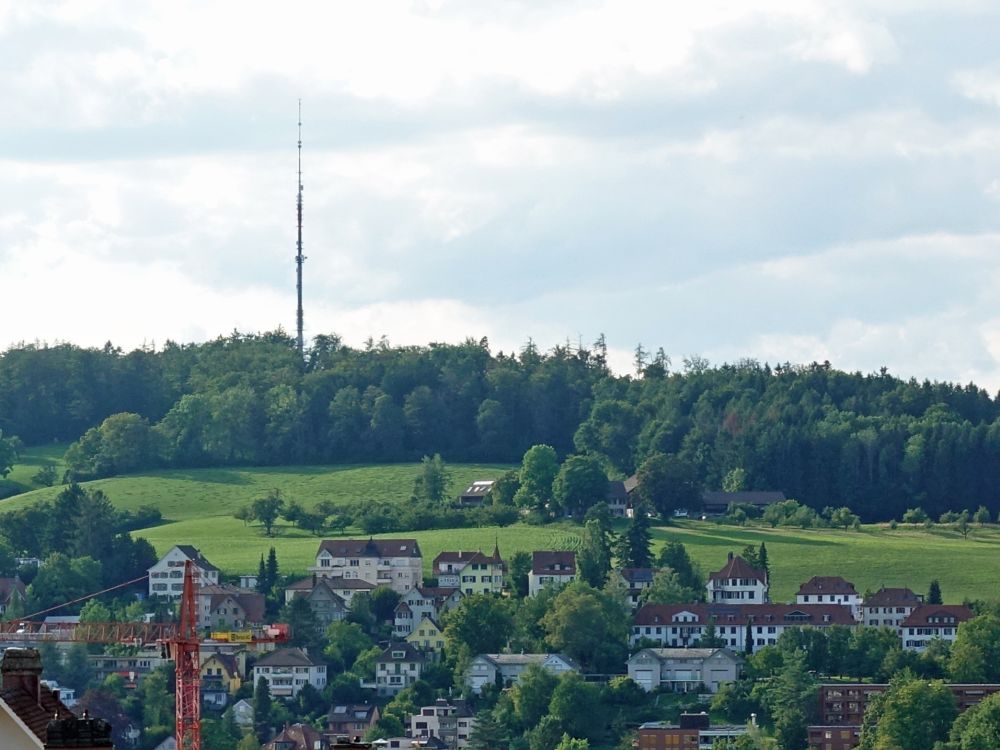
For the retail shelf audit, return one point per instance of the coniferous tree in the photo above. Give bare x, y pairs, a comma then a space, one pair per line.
934, 593
262, 711
272, 568
634, 546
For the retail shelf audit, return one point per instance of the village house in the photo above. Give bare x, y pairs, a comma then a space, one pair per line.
166, 577
449, 721
474, 496
31, 715
423, 601
830, 590
326, 604
683, 670
471, 572
397, 667
737, 582
297, 737
505, 669
682, 625
889, 607
619, 496
932, 621
395, 563
287, 670
13, 593
221, 677
350, 720
551, 568
636, 580
243, 713
222, 608
428, 636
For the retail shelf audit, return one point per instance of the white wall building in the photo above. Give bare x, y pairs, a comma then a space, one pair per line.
395, 563
738, 583
551, 568
287, 670
166, 578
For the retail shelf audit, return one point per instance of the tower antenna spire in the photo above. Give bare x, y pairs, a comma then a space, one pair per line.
299, 257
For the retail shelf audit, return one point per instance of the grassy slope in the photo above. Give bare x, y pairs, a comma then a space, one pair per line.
31, 460
198, 507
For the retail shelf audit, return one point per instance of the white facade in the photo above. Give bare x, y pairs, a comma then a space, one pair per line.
506, 669
684, 669
450, 723
288, 671
395, 563
166, 578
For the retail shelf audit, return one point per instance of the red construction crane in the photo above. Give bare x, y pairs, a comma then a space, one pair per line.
180, 639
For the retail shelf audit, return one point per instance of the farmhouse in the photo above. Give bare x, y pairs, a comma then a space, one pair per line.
474, 496
715, 503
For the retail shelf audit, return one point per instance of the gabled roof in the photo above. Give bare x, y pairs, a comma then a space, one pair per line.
303, 584
343, 584
937, 616
892, 598
688, 653
544, 562
228, 662
616, 494
286, 657
827, 585
192, 553
631, 483
251, 602
303, 736
438, 593
370, 547
737, 567
818, 615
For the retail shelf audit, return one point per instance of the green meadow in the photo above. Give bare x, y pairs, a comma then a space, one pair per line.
198, 504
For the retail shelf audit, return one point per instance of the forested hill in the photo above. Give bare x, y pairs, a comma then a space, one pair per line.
824, 437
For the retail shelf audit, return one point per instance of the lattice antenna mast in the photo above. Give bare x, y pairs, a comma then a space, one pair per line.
299, 257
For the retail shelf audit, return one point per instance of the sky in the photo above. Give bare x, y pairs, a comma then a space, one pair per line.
790, 181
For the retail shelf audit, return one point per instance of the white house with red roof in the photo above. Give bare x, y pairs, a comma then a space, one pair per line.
738, 582
551, 568
933, 621
888, 607
396, 563
683, 625
830, 590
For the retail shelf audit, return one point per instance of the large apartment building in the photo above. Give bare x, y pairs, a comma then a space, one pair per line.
395, 563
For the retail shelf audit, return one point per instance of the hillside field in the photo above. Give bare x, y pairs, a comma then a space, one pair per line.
197, 506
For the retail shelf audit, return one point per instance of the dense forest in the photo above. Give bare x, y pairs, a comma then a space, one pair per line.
873, 442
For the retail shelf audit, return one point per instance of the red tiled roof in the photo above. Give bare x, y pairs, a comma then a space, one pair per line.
892, 598
827, 585
740, 614
937, 615
303, 584
545, 562
371, 547
737, 567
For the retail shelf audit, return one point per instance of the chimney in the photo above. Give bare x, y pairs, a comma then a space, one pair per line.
730, 554
21, 669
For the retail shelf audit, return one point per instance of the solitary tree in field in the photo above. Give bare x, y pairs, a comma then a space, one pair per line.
982, 516
267, 509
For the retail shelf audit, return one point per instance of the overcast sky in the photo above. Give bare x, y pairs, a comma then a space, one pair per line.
790, 181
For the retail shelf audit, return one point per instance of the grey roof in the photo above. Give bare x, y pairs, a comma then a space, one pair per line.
689, 653
193, 553
525, 659
286, 657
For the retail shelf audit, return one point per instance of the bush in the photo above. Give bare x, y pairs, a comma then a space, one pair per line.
915, 515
